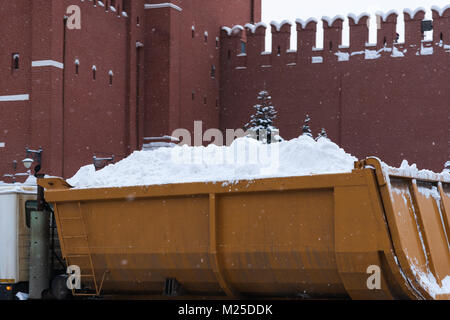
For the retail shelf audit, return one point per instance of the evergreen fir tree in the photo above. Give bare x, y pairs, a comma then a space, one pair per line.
261, 123
322, 134
306, 129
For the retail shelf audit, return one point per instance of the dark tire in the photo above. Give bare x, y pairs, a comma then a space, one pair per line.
59, 288
46, 295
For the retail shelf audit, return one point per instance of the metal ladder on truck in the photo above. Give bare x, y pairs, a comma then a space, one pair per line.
82, 260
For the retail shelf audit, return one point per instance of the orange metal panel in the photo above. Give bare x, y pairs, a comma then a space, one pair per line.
298, 237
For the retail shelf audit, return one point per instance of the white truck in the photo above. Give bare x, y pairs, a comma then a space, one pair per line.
17, 204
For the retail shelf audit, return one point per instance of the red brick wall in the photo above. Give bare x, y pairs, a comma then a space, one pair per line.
95, 112
72, 116
15, 35
393, 108
83, 117
169, 100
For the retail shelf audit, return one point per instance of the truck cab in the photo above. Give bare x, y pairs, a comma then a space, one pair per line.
17, 201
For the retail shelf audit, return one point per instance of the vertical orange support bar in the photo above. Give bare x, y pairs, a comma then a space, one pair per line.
214, 258
445, 201
433, 233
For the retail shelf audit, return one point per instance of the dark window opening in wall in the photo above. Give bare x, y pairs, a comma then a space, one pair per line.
94, 72
138, 23
442, 36
15, 61
331, 45
125, 6
252, 11
193, 95
204, 100
279, 51
229, 54
206, 36
243, 47
77, 67
111, 74
193, 32
217, 43
384, 41
213, 72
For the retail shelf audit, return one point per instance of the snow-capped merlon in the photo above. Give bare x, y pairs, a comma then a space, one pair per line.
356, 18
331, 21
412, 13
233, 30
440, 10
254, 27
304, 24
386, 15
278, 26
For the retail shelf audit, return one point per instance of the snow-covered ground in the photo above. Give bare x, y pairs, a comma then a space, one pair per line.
243, 160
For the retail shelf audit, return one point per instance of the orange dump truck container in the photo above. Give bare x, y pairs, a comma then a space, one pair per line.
373, 233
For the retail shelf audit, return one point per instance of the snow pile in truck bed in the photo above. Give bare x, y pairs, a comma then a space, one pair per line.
408, 170
297, 157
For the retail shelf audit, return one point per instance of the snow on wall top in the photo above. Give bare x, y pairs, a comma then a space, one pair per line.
412, 13
331, 21
278, 26
304, 24
385, 15
440, 10
387, 44
233, 30
254, 27
356, 18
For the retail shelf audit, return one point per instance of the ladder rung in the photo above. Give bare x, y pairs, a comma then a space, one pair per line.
75, 237
85, 294
71, 218
78, 256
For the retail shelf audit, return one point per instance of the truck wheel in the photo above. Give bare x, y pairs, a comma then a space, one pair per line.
59, 287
